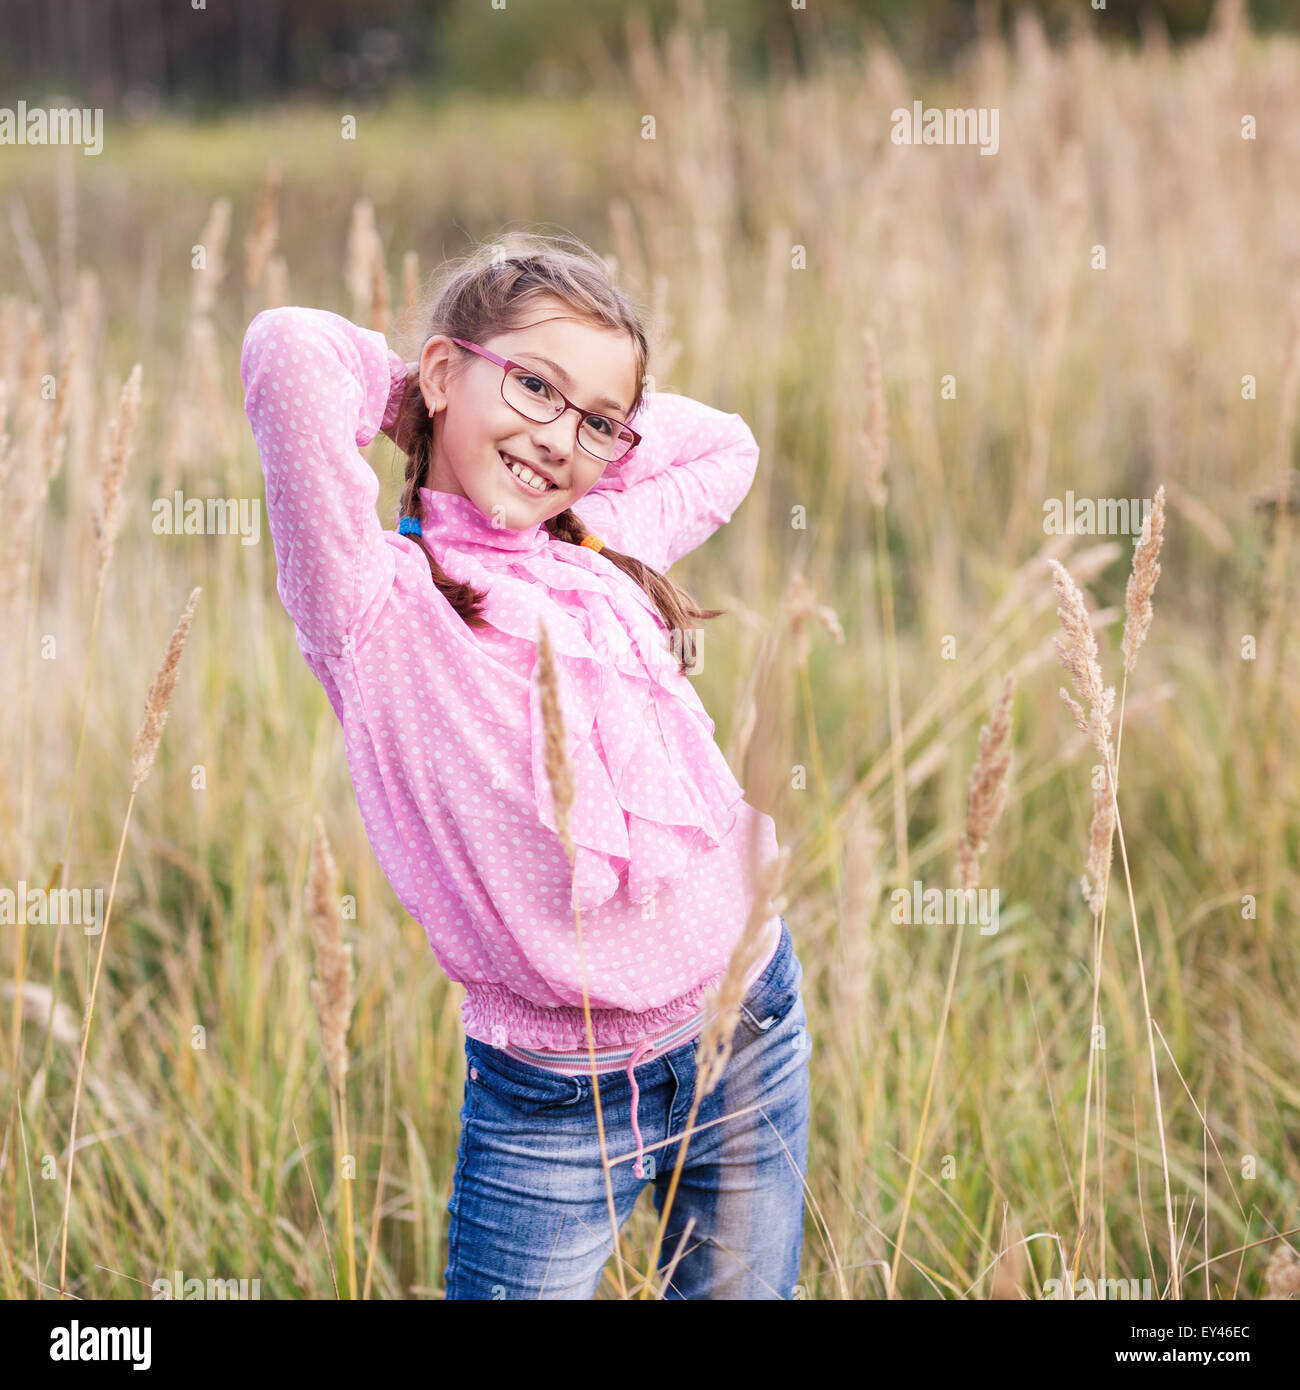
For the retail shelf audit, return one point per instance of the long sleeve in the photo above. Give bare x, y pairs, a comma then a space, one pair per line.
687, 476
318, 388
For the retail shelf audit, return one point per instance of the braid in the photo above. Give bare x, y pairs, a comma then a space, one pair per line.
464, 598
680, 612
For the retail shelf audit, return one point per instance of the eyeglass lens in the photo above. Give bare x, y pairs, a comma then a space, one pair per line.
534, 397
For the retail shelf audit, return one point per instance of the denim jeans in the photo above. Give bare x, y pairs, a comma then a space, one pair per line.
529, 1217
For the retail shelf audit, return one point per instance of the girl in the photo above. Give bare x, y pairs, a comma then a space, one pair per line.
541, 488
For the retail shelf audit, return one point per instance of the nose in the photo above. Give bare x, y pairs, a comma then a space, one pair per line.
558, 437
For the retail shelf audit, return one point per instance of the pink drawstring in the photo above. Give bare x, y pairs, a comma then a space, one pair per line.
638, 1167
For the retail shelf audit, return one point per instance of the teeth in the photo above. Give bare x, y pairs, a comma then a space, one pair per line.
526, 475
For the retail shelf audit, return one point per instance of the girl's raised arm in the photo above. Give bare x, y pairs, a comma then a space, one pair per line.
316, 389
687, 476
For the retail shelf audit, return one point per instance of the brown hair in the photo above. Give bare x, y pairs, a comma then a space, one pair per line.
489, 291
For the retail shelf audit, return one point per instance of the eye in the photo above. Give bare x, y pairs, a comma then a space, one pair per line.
524, 378
601, 422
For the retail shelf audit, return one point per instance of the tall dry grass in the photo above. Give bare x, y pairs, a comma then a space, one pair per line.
144, 753
971, 1134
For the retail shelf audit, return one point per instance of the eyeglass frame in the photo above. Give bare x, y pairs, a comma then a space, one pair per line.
506, 363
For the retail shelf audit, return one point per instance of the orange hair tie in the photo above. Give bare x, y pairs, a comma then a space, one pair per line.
594, 542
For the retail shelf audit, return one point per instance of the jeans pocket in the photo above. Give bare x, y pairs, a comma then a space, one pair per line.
774, 994
516, 1084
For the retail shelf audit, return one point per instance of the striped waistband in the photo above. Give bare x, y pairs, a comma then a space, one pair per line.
617, 1058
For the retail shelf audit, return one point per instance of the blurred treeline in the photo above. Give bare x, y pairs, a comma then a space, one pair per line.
206, 55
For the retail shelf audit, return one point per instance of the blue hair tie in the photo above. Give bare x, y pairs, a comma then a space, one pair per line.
410, 526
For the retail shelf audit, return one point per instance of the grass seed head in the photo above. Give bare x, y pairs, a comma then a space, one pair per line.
1142, 581
117, 453
1077, 649
989, 780
1100, 835
558, 771
332, 990
145, 749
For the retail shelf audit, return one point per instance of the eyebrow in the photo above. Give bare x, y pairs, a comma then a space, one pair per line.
567, 380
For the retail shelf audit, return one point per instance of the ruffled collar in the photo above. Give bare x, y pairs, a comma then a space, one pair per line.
452, 520
652, 784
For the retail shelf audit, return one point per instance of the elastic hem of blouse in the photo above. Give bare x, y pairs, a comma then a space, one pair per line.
496, 1014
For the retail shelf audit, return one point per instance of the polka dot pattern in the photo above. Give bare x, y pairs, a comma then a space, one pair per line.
442, 722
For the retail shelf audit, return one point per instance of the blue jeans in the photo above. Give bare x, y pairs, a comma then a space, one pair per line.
529, 1217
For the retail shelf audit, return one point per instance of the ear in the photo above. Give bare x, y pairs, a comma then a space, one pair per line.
435, 371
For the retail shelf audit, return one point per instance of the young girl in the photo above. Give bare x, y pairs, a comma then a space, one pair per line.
541, 488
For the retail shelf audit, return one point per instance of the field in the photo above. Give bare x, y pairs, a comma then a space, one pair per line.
931, 346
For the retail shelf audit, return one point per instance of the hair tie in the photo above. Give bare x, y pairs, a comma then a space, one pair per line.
594, 542
410, 526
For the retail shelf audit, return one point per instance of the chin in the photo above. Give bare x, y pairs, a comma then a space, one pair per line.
520, 512
514, 513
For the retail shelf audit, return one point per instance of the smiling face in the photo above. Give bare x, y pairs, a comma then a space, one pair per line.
478, 430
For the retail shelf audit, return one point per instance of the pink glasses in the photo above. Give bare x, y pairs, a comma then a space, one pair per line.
602, 436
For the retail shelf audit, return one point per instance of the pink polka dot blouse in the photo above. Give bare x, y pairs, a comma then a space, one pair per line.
442, 722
